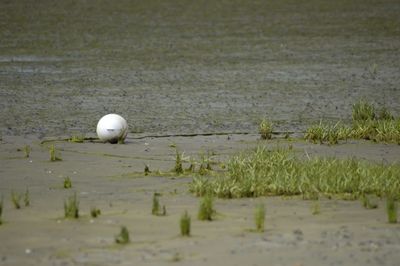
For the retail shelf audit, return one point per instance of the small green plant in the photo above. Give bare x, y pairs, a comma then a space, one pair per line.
53, 154
192, 166
206, 209
184, 224
77, 139
16, 199
123, 236
316, 209
71, 207
1, 210
205, 163
67, 182
146, 170
27, 200
178, 163
363, 111
27, 151
265, 129
94, 212
121, 140
259, 217
366, 202
155, 209
391, 209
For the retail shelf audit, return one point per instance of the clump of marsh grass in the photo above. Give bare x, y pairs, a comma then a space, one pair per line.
1, 210
259, 217
123, 236
67, 182
391, 209
377, 130
205, 163
94, 212
262, 172
366, 202
184, 224
326, 133
192, 165
363, 111
178, 163
155, 209
206, 209
71, 207
16, 199
146, 170
368, 123
77, 139
265, 129
27, 151
316, 208
54, 156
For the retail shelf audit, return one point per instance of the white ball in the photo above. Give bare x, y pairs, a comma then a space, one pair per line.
112, 128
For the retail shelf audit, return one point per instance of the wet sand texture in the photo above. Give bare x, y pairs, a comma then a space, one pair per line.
110, 178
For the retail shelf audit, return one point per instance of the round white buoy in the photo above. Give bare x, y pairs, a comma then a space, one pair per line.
112, 128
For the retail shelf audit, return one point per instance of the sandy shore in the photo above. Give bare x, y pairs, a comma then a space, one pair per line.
110, 178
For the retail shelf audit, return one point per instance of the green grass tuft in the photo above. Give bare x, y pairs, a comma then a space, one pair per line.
366, 202
381, 127
77, 139
184, 224
54, 156
155, 209
279, 172
206, 209
316, 208
1, 209
178, 163
363, 111
326, 133
265, 129
94, 212
71, 207
146, 170
259, 217
123, 236
16, 199
67, 182
391, 209
27, 151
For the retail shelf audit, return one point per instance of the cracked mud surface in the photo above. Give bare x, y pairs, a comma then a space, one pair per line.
184, 67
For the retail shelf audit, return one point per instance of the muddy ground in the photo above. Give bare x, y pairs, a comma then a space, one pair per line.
193, 67
111, 178
187, 67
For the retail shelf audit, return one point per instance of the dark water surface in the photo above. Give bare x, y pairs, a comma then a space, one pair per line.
193, 66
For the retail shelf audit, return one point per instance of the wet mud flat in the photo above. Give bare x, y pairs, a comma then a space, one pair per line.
111, 178
188, 67
184, 67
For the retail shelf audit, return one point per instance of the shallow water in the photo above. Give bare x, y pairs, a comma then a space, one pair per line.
191, 67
